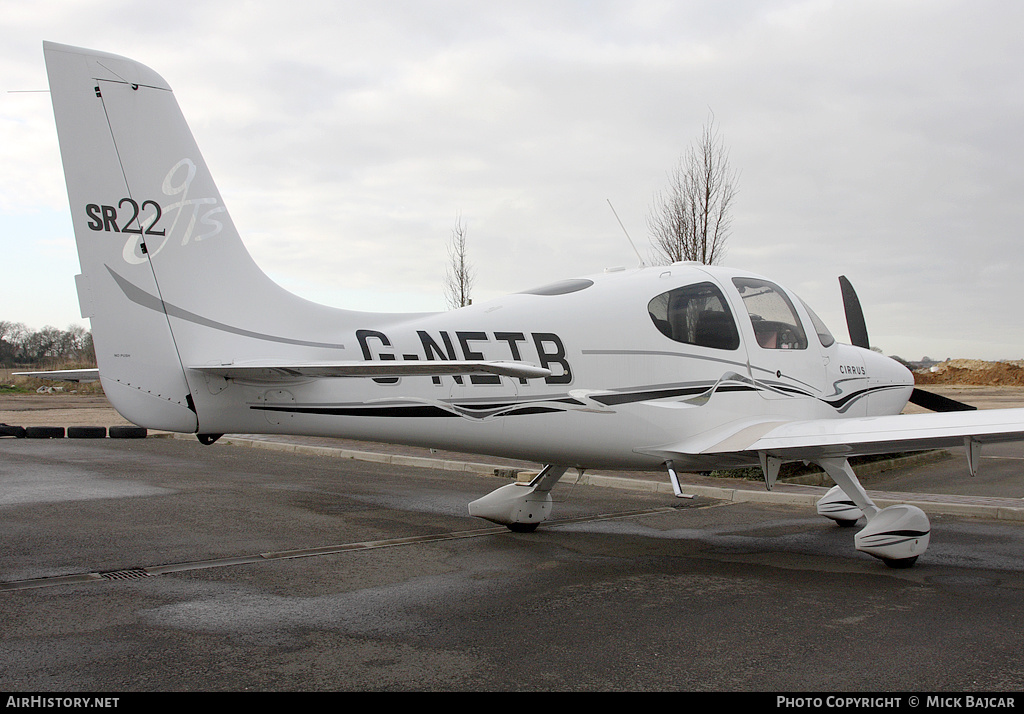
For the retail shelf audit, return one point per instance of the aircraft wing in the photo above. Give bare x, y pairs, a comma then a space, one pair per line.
859, 436
64, 375
270, 372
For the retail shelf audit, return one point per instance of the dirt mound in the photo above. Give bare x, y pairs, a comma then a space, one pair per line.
973, 371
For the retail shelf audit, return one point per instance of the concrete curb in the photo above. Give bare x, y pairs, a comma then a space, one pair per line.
980, 507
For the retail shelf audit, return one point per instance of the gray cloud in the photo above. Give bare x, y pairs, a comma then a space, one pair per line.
877, 139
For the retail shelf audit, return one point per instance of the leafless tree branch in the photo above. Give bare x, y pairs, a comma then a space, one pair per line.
460, 276
691, 219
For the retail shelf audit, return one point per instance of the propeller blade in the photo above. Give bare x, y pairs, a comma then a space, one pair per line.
937, 402
859, 338
854, 315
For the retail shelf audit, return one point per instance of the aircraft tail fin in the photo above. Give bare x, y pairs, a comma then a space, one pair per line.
166, 280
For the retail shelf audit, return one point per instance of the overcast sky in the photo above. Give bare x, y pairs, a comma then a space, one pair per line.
880, 140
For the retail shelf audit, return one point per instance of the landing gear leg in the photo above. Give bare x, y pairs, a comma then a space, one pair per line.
520, 506
896, 535
674, 480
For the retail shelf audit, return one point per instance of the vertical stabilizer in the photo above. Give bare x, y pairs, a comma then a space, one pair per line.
166, 280
139, 364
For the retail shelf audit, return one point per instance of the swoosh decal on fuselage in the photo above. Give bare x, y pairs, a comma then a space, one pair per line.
140, 297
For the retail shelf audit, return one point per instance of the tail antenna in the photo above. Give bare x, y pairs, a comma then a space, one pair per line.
643, 264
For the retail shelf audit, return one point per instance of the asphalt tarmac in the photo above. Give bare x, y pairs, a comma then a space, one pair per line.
162, 565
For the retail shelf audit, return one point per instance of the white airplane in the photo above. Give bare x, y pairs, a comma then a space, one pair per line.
685, 367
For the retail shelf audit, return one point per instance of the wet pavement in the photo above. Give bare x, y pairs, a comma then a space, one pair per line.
165, 565
294, 564
937, 482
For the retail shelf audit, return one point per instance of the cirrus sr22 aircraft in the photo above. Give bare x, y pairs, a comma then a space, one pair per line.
685, 367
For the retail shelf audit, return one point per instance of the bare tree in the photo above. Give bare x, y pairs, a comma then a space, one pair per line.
669, 221
459, 279
690, 220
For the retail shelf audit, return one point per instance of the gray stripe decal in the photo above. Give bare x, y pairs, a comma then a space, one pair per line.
140, 297
665, 354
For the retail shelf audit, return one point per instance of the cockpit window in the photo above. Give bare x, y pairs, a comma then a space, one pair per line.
824, 336
697, 315
772, 316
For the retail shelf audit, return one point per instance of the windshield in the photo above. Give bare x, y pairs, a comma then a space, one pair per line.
824, 336
772, 316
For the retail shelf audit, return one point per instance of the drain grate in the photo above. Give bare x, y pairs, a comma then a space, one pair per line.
138, 573
127, 574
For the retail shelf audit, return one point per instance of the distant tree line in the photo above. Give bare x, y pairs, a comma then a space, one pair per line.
48, 347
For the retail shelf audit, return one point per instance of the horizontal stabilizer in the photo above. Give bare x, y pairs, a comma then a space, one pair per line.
427, 368
65, 375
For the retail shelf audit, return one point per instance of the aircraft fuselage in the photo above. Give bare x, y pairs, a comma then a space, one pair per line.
619, 382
